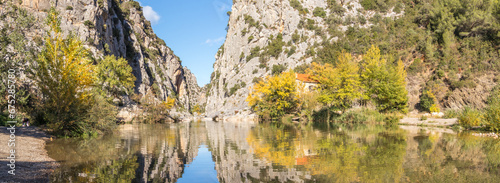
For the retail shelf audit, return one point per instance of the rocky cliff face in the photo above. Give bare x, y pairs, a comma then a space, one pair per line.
265, 34
116, 27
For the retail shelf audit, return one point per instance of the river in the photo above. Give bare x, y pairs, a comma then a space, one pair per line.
206, 151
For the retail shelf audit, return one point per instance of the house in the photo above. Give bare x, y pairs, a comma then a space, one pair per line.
305, 79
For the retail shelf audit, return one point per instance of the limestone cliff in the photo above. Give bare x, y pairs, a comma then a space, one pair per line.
265, 35
116, 27
262, 34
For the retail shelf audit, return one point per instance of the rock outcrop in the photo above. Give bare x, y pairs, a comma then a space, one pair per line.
117, 27
285, 34
262, 34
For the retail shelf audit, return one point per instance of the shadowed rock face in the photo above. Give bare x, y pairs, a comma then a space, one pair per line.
118, 27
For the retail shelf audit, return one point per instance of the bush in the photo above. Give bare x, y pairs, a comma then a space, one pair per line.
352, 117
69, 8
319, 12
423, 118
451, 113
470, 117
89, 24
427, 101
392, 119
250, 39
278, 69
492, 117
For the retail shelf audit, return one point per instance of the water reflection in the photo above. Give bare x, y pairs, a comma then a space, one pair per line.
243, 152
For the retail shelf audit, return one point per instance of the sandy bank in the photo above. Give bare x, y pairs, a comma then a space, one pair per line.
32, 163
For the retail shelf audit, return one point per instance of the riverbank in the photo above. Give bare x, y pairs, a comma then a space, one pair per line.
434, 122
32, 163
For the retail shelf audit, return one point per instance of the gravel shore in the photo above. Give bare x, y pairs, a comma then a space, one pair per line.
32, 163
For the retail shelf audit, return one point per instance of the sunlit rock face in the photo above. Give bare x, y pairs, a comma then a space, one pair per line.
253, 25
116, 27
251, 50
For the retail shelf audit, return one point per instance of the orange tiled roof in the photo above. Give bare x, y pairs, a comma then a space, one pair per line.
305, 78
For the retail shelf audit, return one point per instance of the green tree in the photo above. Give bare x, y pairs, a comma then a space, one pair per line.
384, 83
115, 75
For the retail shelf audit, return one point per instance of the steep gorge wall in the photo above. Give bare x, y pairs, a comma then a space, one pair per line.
255, 25
112, 27
290, 33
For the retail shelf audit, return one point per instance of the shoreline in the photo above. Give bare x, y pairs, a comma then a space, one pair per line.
32, 163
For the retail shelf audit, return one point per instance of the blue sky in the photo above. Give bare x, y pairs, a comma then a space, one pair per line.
194, 29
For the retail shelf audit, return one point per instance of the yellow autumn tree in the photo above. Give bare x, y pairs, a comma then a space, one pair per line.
275, 96
63, 74
340, 85
385, 83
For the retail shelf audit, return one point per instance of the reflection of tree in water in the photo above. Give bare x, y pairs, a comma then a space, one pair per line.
361, 154
448, 158
279, 153
144, 153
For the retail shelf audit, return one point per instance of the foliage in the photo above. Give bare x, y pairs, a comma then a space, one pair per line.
492, 112
451, 113
254, 52
115, 74
157, 111
197, 109
250, 21
101, 117
275, 96
470, 117
63, 74
275, 47
319, 12
278, 69
384, 83
89, 24
341, 85
298, 6
427, 100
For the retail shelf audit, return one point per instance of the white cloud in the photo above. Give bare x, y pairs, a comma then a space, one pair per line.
214, 41
151, 15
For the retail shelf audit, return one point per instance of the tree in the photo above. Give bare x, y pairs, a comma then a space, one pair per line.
341, 85
275, 96
115, 75
63, 74
384, 83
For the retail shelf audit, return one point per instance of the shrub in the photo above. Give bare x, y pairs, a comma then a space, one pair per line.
492, 113
352, 117
278, 69
492, 117
392, 119
89, 24
427, 100
423, 118
470, 117
451, 113
319, 12
434, 108
250, 38
69, 8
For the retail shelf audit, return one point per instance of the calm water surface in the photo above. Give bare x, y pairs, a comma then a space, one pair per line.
242, 152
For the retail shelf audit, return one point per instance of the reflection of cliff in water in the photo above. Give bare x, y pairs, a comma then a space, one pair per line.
163, 158
244, 152
235, 160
